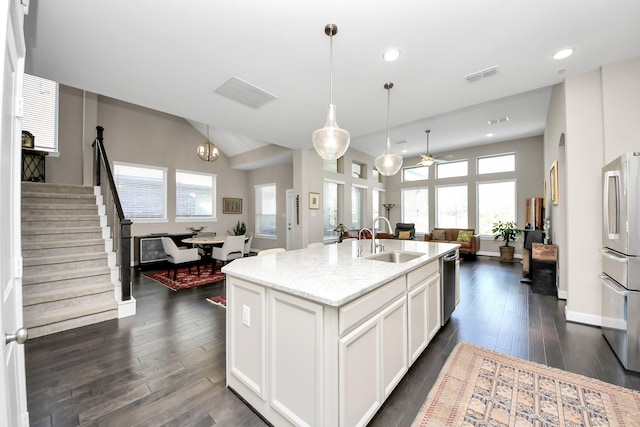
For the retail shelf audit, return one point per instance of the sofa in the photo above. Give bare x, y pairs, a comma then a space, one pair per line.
451, 235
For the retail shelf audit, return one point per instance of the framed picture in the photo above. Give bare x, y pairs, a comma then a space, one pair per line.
314, 200
27, 139
553, 182
231, 205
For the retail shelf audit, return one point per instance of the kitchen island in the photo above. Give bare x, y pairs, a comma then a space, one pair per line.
322, 336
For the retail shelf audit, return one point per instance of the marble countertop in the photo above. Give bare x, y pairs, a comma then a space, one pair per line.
333, 274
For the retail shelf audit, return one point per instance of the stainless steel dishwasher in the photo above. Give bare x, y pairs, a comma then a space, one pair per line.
449, 280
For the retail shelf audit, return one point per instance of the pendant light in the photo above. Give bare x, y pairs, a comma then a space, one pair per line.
389, 163
331, 142
207, 150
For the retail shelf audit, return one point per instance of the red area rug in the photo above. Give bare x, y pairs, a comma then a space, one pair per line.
184, 280
220, 300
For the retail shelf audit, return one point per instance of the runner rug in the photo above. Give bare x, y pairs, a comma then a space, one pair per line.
184, 279
478, 387
220, 300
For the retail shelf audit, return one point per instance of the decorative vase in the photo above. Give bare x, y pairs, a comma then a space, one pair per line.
506, 253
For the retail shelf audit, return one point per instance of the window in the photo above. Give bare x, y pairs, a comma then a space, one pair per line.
496, 202
195, 195
40, 116
377, 176
142, 190
415, 208
333, 165
358, 202
415, 173
451, 207
452, 169
358, 170
266, 208
495, 164
375, 196
332, 207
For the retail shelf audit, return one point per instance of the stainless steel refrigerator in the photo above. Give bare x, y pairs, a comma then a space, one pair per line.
621, 258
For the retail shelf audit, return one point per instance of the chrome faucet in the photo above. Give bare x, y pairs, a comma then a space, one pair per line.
374, 246
359, 237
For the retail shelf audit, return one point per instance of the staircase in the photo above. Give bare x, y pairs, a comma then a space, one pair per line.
67, 263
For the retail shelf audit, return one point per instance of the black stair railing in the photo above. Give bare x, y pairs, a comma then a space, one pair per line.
120, 226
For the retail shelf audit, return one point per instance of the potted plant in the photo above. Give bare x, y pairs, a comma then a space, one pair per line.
507, 231
239, 229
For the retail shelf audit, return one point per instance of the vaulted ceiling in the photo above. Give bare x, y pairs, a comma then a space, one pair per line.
173, 56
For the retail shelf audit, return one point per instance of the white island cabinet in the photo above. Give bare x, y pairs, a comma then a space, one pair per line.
321, 337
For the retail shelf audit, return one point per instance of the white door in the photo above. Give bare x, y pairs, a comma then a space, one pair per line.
291, 218
13, 396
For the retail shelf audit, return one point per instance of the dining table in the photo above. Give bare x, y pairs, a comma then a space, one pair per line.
206, 243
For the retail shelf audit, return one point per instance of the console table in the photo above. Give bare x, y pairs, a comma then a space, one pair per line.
33, 165
148, 250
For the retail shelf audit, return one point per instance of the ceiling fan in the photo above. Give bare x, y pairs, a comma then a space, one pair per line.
428, 159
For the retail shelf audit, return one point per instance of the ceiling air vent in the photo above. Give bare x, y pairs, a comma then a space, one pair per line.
246, 94
487, 72
498, 120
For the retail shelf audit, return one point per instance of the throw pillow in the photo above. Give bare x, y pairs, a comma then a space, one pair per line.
438, 235
465, 235
404, 235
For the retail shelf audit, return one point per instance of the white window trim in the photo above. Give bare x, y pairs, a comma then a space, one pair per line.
164, 171
515, 201
449, 163
255, 213
214, 217
402, 203
435, 197
515, 159
403, 180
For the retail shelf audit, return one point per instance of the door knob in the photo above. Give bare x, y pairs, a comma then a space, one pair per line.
20, 336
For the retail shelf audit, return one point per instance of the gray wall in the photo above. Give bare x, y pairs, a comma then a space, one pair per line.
593, 118
282, 177
139, 135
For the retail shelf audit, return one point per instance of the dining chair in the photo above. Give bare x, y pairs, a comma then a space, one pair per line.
177, 256
264, 252
247, 245
232, 248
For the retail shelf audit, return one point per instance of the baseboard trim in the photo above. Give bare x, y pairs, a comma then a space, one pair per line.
563, 294
577, 317
126, 308
496, 254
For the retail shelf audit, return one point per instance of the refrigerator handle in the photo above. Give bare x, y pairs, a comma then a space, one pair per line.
605, 203
612, 256
607, 282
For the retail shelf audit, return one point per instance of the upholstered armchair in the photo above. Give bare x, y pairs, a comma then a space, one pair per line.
232, 248
178, 257
405, 231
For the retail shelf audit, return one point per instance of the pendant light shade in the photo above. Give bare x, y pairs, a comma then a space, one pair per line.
389, 163
207, 150
331, 142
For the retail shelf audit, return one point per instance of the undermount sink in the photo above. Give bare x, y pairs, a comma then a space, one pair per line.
395, 257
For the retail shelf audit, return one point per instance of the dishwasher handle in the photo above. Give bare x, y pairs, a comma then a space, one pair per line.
450, 257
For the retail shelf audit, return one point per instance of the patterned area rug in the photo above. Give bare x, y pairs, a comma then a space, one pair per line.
478, 387
185, 280
220, 300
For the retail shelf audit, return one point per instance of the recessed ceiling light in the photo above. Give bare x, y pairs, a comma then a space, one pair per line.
391, 55
404, 151
564, 53
489, 135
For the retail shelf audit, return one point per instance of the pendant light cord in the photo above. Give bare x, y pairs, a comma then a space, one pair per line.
388, 118
331, 69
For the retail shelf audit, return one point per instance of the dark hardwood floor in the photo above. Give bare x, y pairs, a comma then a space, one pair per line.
166, 365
